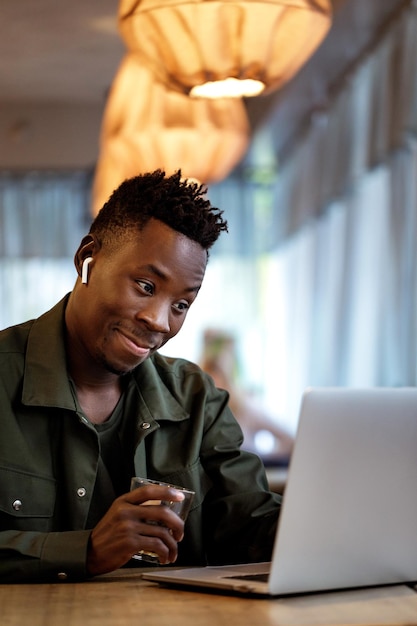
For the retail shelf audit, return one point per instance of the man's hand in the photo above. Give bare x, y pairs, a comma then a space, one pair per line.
131, 525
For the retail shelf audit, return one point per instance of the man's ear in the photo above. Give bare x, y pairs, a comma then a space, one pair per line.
86, 250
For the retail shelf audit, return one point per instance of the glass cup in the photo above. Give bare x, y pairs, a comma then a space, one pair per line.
180, 508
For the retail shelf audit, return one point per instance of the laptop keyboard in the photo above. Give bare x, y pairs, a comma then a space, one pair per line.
261, 578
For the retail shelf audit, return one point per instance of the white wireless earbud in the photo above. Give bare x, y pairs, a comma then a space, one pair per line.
84, 270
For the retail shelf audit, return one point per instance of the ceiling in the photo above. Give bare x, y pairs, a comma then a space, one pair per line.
55, 52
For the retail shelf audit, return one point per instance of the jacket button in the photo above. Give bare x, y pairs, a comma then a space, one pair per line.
62, 576
81, 492
17, 505
145, 425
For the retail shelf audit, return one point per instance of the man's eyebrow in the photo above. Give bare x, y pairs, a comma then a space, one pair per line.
194, 289
155, 270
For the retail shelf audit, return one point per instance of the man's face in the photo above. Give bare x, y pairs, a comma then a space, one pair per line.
137, 296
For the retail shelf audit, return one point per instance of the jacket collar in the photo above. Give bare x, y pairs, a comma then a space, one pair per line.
45, 380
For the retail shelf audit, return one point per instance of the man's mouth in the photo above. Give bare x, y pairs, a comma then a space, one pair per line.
132, 344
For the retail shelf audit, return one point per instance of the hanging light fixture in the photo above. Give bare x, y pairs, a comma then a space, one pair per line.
147, 126
223, 48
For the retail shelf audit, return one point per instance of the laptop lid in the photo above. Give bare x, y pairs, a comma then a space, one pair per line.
349, 514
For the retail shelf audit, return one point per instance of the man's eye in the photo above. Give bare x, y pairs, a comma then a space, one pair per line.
182, 306
146, 287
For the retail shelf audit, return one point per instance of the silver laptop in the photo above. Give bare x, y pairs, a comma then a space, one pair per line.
349, 514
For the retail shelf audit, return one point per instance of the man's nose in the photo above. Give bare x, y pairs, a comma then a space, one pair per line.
156, 315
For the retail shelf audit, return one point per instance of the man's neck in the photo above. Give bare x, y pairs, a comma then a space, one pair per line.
98, 401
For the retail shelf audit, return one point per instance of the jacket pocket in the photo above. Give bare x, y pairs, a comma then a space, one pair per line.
24, 495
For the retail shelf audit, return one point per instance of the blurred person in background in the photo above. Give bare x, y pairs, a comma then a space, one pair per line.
262, 434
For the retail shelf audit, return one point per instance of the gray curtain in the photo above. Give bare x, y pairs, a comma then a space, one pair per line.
42, 219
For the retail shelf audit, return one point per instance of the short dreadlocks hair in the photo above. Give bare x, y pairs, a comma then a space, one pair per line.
179, 203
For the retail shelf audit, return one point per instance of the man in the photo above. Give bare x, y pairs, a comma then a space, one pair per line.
86, 402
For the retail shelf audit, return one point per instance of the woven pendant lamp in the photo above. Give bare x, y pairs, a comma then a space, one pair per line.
218, 48
147, 126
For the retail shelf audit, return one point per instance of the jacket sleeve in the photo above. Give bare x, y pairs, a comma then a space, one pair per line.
198, 445
240, 514
27, 556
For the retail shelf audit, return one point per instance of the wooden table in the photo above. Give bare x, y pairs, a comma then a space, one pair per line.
123, 599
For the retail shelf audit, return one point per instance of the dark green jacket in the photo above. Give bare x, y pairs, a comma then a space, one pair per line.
184, 433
